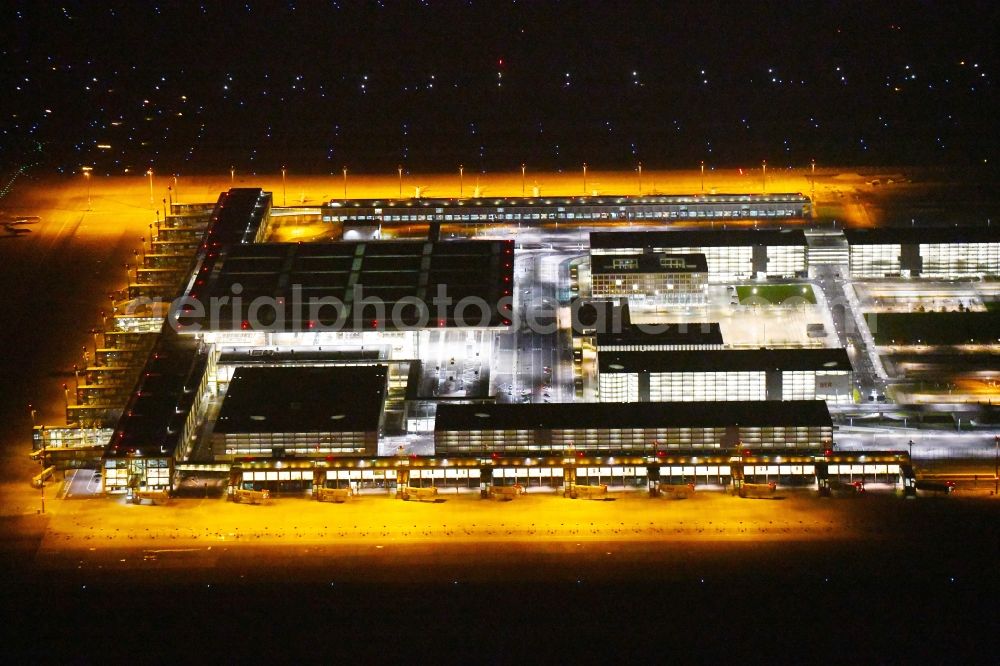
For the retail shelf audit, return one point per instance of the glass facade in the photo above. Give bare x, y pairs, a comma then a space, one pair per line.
626, 440
704, 386
831, 385
951, 260
875, 260
681, 288
265, 444
121, 474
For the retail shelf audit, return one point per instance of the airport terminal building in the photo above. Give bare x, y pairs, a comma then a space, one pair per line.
243, 377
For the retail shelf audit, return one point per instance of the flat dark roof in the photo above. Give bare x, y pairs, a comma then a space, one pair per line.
153, 418
589, 315
722, 360
918, 235
303, 399
707, 333
392, 276
238, 215
648, 263
611, 240
560, 416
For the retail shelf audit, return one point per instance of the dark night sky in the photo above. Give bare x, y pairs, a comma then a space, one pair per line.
188, 86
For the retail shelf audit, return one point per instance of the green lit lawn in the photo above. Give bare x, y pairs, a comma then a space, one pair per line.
776, 293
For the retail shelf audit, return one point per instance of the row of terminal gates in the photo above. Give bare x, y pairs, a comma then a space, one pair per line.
419, 478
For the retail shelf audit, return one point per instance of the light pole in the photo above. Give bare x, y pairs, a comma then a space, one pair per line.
523, 173
640, 179
812, 180
703, 176
31, 410
763, 177
461, 181
584, 179
232, 175
86, 174
149, 172
177, 196
911, 452
399, 169
283, 189
345, 181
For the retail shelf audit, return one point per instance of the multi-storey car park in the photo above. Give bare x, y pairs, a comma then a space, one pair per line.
330, 365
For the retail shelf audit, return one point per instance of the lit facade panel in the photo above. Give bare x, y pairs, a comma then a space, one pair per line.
619, 387
702, 386
264, 445
137, 473
834, 386
934, 252
562, 429
786, 260
953, 260
725, 263
875, 260
725, 374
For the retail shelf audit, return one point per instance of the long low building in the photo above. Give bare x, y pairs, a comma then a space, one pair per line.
725, 374
526, 210
933, 252
573, 428
731, 254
